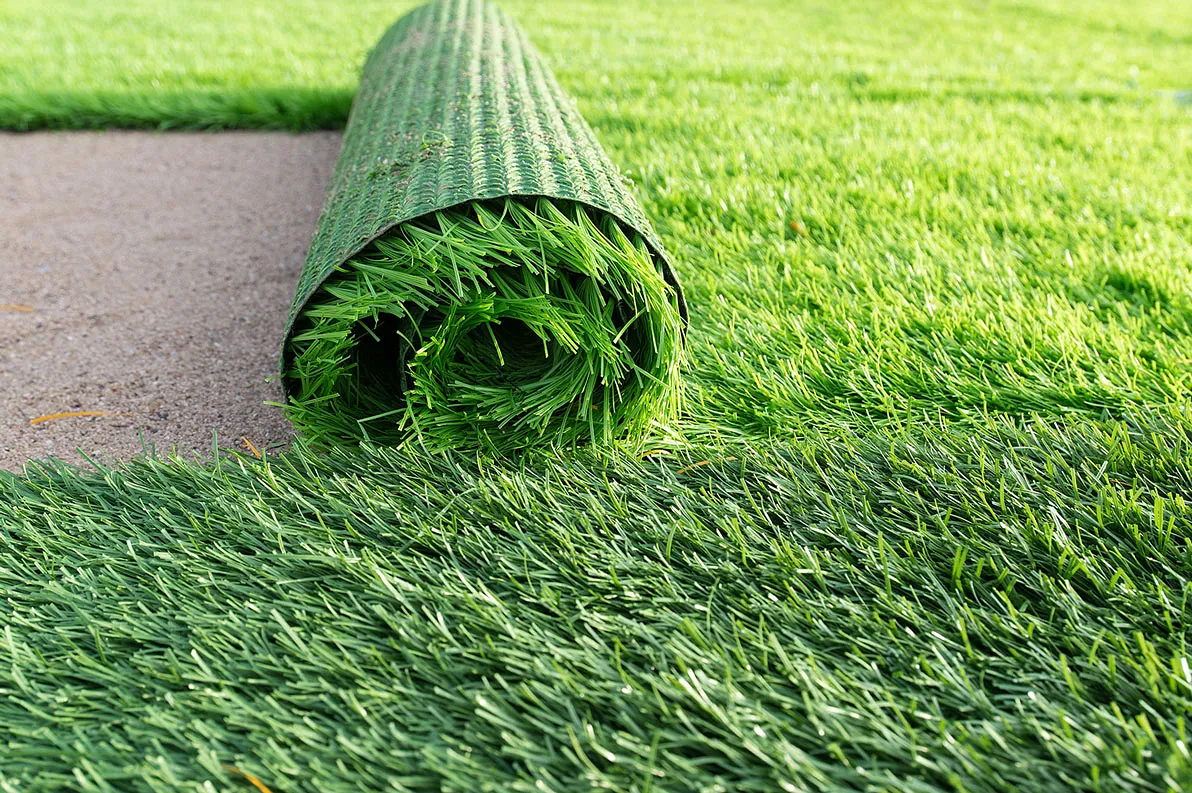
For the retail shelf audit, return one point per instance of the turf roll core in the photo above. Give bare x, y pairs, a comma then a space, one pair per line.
481, 274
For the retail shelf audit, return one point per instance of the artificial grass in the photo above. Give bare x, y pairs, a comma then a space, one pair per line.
481, 275
293, 109
940, 320
175, 63
493, 328
999, 608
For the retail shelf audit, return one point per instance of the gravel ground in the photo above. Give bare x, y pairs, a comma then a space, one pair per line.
148, 276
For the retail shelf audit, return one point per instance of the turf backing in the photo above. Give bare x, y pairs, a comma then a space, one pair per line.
933, 531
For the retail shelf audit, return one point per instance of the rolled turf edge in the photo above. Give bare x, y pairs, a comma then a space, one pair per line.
481, 273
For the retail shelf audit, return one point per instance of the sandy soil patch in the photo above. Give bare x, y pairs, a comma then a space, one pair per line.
148, 276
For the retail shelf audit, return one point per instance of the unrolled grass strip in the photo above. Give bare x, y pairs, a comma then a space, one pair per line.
497, 326
1002, 608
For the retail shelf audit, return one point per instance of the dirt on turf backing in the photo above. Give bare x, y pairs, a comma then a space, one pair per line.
148, 276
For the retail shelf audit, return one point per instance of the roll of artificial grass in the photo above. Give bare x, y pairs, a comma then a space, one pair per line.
481, 274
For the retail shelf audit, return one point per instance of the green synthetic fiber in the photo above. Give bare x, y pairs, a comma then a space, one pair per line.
934, 530
482, 275
1000, 608
494, 327
206, 63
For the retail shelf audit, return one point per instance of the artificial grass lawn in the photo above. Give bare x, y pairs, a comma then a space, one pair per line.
936, 610
295, 63
925, 527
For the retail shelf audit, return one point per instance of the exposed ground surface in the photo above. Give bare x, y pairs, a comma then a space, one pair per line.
158, 269
932, 531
